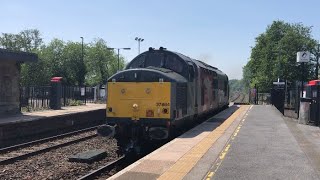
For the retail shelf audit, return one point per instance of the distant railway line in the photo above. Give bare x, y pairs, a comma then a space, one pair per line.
239, 98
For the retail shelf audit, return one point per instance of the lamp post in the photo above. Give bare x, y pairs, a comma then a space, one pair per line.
139, 40
119, 54
81, 48
317, 59
81, 53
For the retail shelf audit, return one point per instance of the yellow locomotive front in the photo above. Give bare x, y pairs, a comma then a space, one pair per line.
139, 100
140, 111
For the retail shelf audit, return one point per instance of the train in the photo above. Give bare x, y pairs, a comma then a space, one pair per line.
158, 93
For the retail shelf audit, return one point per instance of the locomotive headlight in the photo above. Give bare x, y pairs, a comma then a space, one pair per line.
135, 107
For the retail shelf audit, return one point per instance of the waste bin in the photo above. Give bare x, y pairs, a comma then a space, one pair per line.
55, 97
304, 110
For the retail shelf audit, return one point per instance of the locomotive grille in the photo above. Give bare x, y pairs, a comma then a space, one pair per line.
181, 98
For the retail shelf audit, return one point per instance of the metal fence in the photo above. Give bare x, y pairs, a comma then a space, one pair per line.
260, 98
263, 98
74, 95
292, 101
34, 98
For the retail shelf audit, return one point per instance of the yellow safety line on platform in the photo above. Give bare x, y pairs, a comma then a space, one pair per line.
187, 161
224, 152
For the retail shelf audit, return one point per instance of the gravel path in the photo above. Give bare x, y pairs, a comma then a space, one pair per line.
55, 164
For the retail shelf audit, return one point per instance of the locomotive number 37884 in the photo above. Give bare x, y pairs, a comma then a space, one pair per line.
162, 104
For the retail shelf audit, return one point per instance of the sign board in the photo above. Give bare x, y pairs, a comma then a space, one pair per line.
279, 83
303, 56
82, 91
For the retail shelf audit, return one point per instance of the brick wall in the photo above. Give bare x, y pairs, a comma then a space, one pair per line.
9, 88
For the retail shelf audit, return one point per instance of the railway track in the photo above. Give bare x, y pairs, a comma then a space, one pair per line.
235, 97
241, 99
104, 169
25, 150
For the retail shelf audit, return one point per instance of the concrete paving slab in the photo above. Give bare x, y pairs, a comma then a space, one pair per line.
153, 166
88, 156
265, 148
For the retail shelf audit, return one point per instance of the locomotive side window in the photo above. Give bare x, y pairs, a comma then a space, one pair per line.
215, 84
202, 93
162, 60
191, 73
225, 87
174, 64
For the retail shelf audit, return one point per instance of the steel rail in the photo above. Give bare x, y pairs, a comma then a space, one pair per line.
18, 146
102, 169
33, 152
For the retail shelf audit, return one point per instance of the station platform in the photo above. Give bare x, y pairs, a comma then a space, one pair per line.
241, 142
26, 124
32, 116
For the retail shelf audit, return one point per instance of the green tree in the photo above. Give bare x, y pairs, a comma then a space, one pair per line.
101, 62
59, 58
274, 55
28, 40
75, 68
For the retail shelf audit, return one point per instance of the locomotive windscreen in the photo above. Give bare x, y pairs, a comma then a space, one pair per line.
161, 60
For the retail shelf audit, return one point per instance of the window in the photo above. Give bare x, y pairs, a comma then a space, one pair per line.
174, 64
154, 59
202, 92
225, 87
215, 84
160, 60
213, 95
191, 73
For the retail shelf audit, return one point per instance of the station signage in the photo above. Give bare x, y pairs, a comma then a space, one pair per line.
303, 56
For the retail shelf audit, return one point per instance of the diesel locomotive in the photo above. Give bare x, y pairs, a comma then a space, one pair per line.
159, 92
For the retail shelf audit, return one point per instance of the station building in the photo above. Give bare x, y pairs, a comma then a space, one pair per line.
10, 79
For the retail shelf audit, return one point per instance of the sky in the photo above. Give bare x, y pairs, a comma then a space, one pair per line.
220, 33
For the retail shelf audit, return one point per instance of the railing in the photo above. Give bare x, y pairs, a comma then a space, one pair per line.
73, 95
33, 98
292, 101
264, 98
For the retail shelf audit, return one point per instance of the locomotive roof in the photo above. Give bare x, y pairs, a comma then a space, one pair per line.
197, 62
128, 75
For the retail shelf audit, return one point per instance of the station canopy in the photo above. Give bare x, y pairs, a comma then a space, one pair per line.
18, 56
